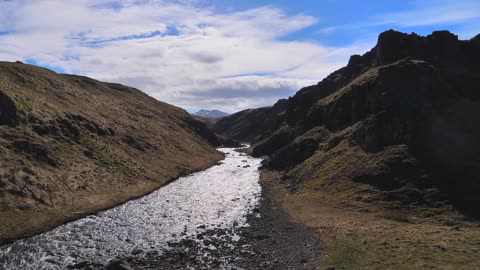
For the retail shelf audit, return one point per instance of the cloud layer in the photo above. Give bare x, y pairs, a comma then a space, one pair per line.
176, 51
200, 57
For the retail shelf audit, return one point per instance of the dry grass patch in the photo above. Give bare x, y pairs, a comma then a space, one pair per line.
360, 235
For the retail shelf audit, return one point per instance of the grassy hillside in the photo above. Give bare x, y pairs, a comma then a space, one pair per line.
208, 121
71, 145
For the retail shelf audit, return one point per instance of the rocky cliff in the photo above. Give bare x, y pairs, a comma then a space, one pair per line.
71, 145
397, 124
251, 125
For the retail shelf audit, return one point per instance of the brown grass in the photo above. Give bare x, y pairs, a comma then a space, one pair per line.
105, 144
367, 236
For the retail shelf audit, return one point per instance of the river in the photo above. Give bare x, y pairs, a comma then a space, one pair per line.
217, 198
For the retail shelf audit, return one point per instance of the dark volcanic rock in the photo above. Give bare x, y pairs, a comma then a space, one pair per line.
402, 117
227, 142
37, 151
8, 111
276, 141
299, 150
119, 265
136, 143
202, 130
251, 125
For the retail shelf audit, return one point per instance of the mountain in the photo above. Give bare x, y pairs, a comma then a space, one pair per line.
250, 125
211, 113
398, 126
209, 118
71, 145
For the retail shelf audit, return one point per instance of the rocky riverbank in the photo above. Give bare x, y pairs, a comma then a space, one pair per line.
272, 241
207, 219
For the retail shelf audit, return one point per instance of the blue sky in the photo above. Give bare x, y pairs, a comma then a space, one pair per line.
343, 22
213, 54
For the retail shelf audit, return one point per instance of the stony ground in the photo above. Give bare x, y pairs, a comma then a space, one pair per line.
359, 235
272, 241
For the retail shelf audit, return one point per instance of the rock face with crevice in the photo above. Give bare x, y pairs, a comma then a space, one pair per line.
251, 125
399, 122
71, 145
8, 111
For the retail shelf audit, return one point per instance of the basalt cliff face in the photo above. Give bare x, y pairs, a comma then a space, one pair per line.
71, 145
399, 124
251, 125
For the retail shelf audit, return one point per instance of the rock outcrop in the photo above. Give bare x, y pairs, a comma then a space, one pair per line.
251, 125
402, 119
8, 110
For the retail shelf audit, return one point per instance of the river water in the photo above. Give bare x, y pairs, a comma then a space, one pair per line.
217, 198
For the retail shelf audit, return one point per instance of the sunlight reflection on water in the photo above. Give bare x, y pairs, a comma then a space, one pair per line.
218, 197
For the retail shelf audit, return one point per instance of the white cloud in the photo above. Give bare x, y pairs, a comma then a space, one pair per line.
237, 93
176, 51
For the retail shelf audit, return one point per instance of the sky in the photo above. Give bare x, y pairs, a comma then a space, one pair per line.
214, 54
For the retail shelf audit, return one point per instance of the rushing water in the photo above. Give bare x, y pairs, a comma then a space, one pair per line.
219, 197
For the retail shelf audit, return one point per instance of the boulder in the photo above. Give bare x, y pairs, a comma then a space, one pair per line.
118, 265
35, 150
8, 111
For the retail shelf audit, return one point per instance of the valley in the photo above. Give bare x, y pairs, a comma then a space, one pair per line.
375, 167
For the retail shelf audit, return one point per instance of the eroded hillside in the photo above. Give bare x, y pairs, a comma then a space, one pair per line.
71, 145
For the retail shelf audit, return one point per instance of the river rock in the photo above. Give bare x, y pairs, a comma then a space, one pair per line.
137, 251
118, 265
78, 265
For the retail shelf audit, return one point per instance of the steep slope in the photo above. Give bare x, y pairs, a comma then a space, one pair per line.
209, 122
71, 145
251, 125
396, 125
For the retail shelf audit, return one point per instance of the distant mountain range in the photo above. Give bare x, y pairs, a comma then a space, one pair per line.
211, 113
